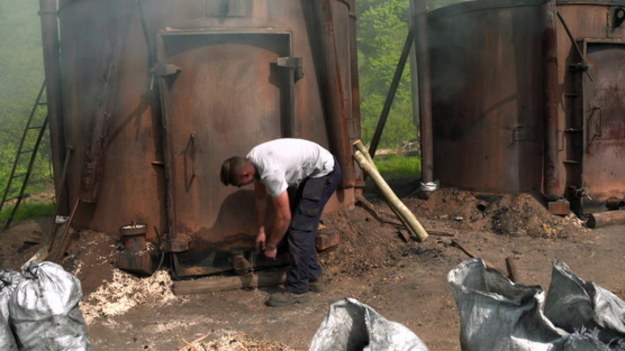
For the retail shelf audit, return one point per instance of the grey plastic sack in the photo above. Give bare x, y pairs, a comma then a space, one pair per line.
8, 281
44, 310
574, 304
496, 314
352, 325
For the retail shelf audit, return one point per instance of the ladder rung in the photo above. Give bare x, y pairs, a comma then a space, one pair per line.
26, 151
42, 103
573, 162
19, 175
572, 130
35, 127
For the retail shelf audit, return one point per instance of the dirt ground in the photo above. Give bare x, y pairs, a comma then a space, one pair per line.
403, 280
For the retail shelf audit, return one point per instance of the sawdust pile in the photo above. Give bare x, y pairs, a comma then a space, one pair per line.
126, 291
233, 341
507, 214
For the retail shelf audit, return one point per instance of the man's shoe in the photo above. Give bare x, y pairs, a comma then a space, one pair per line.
316, 286
286, 299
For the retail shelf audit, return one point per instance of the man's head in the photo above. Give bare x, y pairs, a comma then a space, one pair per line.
237, 171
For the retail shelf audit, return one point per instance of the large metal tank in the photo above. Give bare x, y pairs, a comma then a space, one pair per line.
528, 95
591, 87
156, 94
486, 95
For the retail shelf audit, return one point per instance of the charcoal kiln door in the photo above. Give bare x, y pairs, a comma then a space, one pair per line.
221, 94
603, 163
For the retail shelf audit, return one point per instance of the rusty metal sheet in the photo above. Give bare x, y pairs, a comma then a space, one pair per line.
247, 94
603, 170
487, 95
221, 84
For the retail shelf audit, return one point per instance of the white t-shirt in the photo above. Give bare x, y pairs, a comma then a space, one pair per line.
286, 162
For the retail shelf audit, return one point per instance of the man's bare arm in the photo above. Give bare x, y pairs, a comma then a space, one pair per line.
260, 205
280, 224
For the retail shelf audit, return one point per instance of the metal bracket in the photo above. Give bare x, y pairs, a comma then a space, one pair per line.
619, 17
178, 244
294, 63
523, 134
165, 69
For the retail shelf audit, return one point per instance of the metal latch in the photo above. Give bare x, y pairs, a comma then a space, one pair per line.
523, 134
178, 244
165, 69
294, 63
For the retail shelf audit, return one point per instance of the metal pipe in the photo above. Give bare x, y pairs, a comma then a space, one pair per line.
425, 93
52, 69
355, 88
550, 109
391, 91
330, 84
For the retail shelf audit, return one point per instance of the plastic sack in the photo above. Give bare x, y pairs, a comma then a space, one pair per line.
8, 282
497, 314
44, 310
352, 325
574, 304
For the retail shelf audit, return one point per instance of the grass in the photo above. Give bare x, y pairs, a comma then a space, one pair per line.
395, 166
28, 210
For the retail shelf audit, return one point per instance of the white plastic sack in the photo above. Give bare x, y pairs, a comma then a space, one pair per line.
44, 310
574, 304
8, 281
352, 325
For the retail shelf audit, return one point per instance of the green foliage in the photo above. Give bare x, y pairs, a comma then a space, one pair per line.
395, 166
21, 76
28, 210
382, 31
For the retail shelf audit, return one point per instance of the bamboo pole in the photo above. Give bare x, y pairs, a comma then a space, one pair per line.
395, 203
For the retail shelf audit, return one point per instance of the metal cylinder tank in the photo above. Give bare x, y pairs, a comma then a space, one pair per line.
486, 95
591, 87
157, 93
528, 95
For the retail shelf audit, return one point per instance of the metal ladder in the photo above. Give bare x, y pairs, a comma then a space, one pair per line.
22, 154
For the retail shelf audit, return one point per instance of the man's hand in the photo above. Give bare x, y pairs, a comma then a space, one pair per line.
261, 238
271, 252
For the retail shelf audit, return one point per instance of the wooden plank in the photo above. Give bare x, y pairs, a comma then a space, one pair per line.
221, 283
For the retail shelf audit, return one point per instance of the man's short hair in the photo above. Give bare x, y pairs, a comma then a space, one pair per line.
231, 168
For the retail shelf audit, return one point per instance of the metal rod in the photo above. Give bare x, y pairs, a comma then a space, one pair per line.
52, 68
568, 32
425, 93
391, 92
354, 126
321, 21
570, 35
64, 237
550, 108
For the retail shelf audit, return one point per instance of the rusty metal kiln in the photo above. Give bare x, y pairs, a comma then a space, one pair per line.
529, 96
148, 97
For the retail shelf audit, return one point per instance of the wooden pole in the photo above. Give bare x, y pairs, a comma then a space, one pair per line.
395, 203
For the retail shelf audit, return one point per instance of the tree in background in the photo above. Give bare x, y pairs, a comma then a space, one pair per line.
382, 30
21, 76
